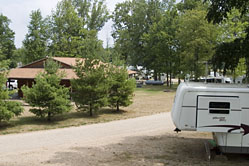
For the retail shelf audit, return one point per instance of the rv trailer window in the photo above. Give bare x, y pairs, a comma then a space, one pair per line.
219, 105
213, 111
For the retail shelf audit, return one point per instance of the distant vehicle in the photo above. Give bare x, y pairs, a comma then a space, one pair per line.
11, 84
139, 84
218, 108
216, 80
153, 82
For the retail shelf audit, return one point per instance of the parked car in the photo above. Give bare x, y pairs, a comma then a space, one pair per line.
153, 82
11, 84
139, 84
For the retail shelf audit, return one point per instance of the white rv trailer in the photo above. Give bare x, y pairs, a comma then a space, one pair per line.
222, 109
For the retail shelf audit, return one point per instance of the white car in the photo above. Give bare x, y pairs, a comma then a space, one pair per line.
11, 84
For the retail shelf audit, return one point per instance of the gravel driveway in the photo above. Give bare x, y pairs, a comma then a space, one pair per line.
40, 148
144, 141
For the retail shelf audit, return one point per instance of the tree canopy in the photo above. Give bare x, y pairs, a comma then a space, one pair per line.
161, 35
69, 37
219, 9
90, 89
8, 109
36, 40
7, 37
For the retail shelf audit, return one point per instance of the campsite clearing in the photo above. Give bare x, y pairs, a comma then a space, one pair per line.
148, 100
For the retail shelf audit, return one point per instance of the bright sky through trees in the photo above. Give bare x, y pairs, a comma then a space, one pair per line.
18, 12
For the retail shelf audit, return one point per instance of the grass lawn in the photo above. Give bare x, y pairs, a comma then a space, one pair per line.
147, 100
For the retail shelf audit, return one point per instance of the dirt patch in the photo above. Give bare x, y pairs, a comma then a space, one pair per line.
167, 149
146, 103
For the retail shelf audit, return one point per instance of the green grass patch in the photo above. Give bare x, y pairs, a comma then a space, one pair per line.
157, 88
74, 118
147, 100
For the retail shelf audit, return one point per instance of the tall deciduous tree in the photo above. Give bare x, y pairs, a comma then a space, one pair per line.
92, 85
197, 39
227, 56
161, 44
131, 20
7, 37
69, 37
233, 27
219, 10
20, 56
36, 40
185, 5
47, 96
94, 13
231, 36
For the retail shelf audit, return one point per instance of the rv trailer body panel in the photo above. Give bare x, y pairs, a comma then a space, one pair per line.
218, 108
185, 109
218, 114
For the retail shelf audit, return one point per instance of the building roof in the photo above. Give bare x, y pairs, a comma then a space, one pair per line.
65, 60
31, 73
28, 72
131, 72
31, 70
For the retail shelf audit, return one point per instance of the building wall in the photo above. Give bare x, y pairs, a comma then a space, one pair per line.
22, 82
29, 83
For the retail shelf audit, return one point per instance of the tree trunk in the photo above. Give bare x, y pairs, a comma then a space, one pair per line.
224, 71
215, 71
170, 80
155, 75
167, 78
247, 71
179, 77
196, 65
91, 110
49, 116
234, 76
117, 106
170, 77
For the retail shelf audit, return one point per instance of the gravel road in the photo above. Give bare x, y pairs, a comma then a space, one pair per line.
42, 147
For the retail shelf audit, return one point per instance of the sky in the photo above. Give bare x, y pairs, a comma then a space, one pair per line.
18, 11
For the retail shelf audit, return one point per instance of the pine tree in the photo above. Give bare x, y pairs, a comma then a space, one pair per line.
122, 88
92, 85
8, 109
47, 96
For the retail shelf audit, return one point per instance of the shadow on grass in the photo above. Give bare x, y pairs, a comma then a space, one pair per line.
85, 114
146, 151
28, 120
111, 111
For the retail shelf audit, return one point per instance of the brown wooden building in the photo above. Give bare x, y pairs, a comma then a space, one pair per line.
25, 75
